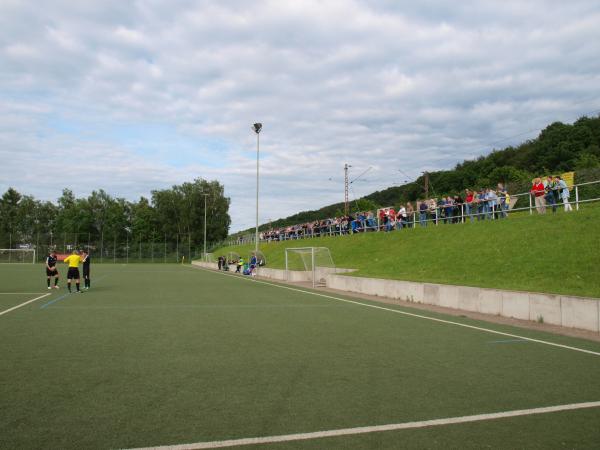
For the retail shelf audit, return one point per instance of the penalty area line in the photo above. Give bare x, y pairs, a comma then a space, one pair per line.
375, 428
405, 313
23, 304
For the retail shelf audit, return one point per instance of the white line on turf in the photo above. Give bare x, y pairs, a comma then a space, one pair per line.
23, 304
375, 428
473, 327
19, 293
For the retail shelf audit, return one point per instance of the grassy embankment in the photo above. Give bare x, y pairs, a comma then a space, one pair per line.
556, 253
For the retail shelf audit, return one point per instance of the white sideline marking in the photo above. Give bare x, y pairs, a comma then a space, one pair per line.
23, 304
373, 429
397, 311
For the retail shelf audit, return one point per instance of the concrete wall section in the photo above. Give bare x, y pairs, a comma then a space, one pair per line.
546, 308
468, 299
515, 304
580, 312
573, 312
489, 301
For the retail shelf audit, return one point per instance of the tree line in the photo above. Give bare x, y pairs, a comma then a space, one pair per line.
558, 148
166, 215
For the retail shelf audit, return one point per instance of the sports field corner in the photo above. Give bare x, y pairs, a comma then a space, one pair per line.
174, 356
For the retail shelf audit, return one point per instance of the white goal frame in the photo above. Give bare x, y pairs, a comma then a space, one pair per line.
14, 259
313, 266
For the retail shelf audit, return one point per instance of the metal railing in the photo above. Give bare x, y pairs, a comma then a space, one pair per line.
475, 211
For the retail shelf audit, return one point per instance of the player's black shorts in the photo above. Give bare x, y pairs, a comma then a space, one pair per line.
50, 273
73, 273
86, 272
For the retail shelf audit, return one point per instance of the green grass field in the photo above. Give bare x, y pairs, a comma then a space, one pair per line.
169, 354
552, 253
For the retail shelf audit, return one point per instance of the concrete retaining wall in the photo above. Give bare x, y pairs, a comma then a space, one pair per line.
566, 311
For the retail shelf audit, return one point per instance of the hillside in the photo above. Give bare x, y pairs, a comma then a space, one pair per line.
552, 253
558, 148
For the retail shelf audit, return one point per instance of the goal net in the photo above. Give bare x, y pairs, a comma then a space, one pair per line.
316, 262
12, 255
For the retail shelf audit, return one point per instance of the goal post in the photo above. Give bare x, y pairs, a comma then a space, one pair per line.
316, 262
17, 255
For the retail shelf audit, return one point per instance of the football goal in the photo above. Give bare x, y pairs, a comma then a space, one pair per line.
17, 255
316, 262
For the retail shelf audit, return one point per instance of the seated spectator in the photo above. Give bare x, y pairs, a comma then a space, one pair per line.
390, 215
371, 225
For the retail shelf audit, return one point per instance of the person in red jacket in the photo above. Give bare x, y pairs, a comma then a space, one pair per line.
539, 190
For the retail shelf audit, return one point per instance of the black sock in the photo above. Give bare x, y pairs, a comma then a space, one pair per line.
48, 282
88, 282
69, 286
77, 286
56, 282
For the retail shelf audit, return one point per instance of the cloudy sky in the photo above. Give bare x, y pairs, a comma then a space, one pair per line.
130, 96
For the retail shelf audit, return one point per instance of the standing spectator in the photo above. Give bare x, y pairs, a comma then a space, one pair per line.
423, 208
564, 193
551, 192
448, 206
410, 212
492, 199
502, 200
435, 212
401, 217
539, 190
481, 205
457, 211
469, 205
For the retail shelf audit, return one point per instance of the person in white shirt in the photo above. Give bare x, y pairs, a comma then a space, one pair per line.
564, 193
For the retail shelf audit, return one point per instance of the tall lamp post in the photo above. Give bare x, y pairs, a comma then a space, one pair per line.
205, 256
257, 127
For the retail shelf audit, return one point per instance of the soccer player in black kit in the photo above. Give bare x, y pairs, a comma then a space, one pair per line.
51, 269
86, 269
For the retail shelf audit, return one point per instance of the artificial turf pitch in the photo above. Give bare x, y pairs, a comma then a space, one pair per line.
169, 354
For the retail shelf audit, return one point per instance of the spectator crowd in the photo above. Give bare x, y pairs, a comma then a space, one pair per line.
474, 205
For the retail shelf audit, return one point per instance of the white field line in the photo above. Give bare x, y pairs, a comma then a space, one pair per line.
18, 293
374, 429
23, 304
464, 325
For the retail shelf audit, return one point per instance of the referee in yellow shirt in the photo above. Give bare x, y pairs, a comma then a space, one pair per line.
73, 273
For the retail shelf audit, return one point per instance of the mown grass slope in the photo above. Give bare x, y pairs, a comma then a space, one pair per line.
555, 253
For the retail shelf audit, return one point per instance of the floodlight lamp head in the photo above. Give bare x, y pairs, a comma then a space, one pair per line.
257, 127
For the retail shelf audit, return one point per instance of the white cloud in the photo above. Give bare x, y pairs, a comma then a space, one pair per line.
372, 83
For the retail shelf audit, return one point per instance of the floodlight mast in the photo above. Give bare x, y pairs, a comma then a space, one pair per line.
205, 257
346, 206
257, 127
